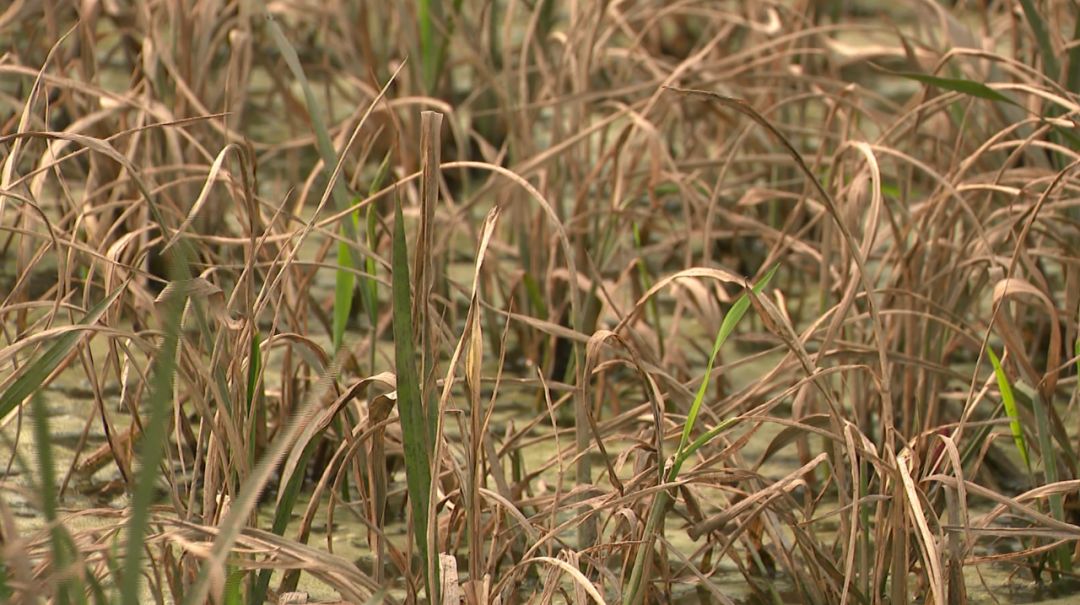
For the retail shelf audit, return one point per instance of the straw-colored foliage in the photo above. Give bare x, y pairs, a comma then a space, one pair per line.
535, 301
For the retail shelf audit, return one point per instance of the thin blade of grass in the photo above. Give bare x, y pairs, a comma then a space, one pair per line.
331, 165
427, 57
634, 592
253, 398
982, 91
645, 278
369, 286
152, 446
428, 44
1042, 37
70, 589
967, 87
726, 328
1009, 400
234, 585
37, 372
684, 455
444, 45
289, 495
1062, 556
414, 425
322, 135
345, 280
344, 285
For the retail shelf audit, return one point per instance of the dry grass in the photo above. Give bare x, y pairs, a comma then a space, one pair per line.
247, 270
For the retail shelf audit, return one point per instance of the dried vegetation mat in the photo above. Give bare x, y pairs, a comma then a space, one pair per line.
525, 301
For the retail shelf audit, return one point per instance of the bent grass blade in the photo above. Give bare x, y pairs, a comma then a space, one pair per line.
635, 590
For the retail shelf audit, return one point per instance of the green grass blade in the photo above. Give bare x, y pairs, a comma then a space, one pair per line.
1042, 37
433, 45
726, 328
345, 279
97, 592
5, 583
1062, 555
536, 298
70, 590
254, 368
322, 134
254, 399
414, 429
1009, 400
967, 87
982, 91
684, 455
369, 286
635, 588
444, 44
234, 585
350, 226
646, 282
290, 494
427, 45
152, 445
37, 372
1076, 353
344, 285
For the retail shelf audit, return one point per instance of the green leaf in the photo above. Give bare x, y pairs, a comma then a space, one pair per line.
427, 44
726, 328
234, 583
536, 298
646, 282
967, 87
433, 45
983, 91
683, 455
37, 372
414, 425
1011, 411
1042, 37
289, 495
634, 591
369, 286
344, 285
1076, 353
255, 408
63, 550
322, 134
152, 445
1043, 429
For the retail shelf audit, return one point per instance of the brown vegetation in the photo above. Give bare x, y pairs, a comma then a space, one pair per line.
463, 281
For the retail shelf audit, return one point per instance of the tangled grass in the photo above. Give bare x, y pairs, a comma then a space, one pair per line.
608, 301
